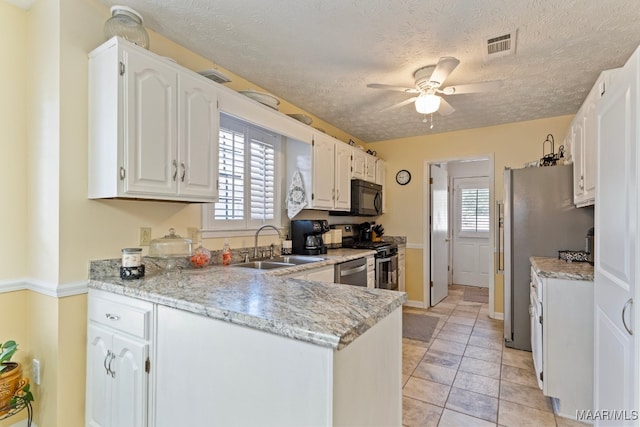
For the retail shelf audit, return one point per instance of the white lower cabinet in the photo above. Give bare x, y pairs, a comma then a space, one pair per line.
321, 274
117, 361
222, 374
563, 327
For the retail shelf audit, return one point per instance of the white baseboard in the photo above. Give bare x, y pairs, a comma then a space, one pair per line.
414, 304
497, 316
45, 288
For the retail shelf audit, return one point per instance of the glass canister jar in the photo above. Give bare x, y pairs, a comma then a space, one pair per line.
126, 23
132, 267
131, 257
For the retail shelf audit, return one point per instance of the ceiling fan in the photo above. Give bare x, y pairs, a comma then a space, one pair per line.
428, 82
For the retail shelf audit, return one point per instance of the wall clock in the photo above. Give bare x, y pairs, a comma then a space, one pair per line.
403, 177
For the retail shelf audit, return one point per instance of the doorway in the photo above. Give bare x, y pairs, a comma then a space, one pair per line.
462, 250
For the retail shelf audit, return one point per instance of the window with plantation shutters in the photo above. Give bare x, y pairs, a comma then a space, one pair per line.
248, 173
474, 210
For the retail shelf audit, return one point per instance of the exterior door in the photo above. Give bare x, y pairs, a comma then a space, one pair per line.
150, 126
471, 249
198, 130
617, 250
439, 234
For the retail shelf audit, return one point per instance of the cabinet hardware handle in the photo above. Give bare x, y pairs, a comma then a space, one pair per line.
113, 373
104, 362
122, 173
111, 316
624, 309
338, 194
184, 171
175, 170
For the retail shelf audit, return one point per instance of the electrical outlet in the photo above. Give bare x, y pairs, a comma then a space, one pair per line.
192, 233
145, 236
36, 371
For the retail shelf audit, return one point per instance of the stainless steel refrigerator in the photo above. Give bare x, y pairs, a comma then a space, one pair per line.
539, 220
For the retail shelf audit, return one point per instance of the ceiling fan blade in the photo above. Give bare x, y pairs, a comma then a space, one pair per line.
472, 88
444, 67
445, 108
400, 104
391, 87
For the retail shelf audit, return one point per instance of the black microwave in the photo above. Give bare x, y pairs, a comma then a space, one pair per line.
366, 198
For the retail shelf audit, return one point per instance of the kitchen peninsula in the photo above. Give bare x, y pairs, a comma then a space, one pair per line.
236, 346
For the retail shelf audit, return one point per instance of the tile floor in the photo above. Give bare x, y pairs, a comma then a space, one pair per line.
464, 376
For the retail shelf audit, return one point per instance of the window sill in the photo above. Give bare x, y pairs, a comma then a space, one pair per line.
213, 234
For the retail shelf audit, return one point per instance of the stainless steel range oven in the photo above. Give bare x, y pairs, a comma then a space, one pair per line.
386, 256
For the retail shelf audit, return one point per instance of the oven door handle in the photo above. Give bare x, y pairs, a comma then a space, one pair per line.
354, 270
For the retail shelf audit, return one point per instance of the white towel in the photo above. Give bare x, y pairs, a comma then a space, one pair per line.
297, 199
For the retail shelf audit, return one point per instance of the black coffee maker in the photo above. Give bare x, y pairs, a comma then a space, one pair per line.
306, 236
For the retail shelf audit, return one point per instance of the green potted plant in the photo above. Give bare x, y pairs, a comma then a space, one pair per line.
12, 385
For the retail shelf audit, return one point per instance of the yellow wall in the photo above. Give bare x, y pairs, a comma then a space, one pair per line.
57, 230
13, 147
512, 145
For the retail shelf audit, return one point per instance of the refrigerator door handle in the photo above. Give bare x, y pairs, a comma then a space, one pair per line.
507, 285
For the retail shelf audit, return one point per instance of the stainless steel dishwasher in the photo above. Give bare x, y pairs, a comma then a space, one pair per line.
352, 272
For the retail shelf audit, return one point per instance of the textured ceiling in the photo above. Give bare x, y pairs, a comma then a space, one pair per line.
321, 54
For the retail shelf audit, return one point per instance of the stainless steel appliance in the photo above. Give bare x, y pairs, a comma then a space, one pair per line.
386, 256
352, 272
306, 236
539, 219
366, 199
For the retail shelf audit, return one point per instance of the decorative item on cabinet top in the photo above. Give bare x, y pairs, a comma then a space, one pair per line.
261, 97
215, 75
126, 23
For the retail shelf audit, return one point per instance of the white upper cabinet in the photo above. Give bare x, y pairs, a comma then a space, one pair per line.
363, 165
153, 127
331, 176
359, 164
583, 138
370, 168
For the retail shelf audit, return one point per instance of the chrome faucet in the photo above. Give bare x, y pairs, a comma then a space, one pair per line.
255, 242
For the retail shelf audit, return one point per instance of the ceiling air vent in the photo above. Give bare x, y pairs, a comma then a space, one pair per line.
499, 46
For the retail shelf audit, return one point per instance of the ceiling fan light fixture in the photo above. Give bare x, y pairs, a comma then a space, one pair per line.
427, 104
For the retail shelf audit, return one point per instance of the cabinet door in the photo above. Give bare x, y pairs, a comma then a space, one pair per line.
198, 138
323, 171
342, 176
322, 275
150, 163
577, 136
358, 164
370, 168
589, 154
129, 390
616, 321
98, 402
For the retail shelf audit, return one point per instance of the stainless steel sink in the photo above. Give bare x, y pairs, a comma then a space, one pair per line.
279, 262
297, 260
264, 265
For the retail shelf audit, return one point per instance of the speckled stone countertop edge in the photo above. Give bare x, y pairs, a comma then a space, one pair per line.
554, 268
347, 327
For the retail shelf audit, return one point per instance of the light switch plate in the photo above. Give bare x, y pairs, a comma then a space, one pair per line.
145, 236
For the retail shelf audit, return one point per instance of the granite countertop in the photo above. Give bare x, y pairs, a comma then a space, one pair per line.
555, 268
324, 314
